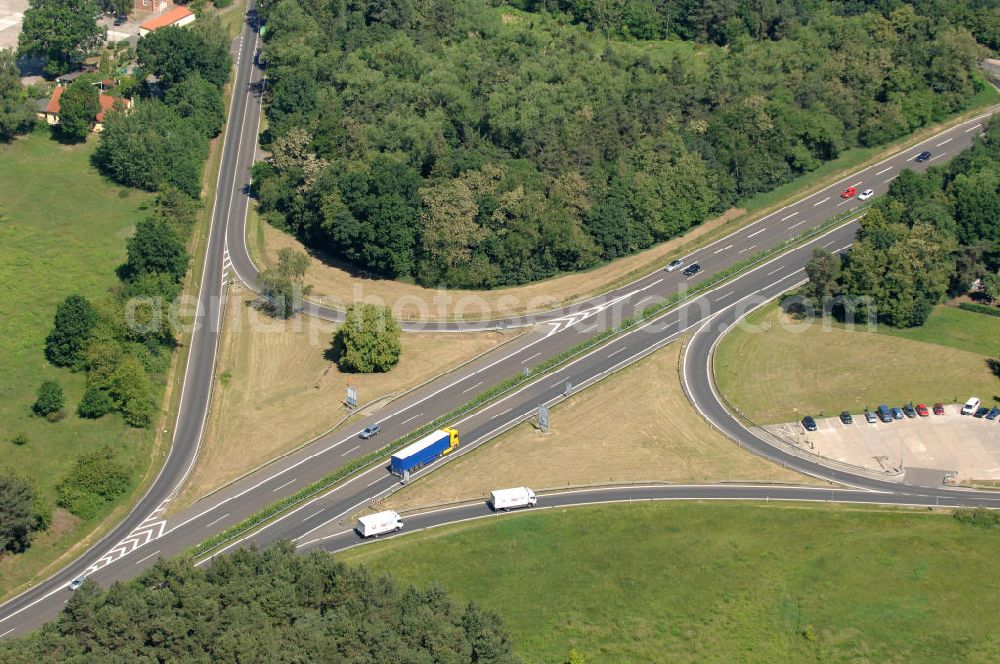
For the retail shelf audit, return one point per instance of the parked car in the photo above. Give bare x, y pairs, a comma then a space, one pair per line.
871, 417
922, 410
992, 415
884, 413
897, 413
850, 192
981, 412
121, 19
865, 195
76, 583
909, 410
922, 157
674, 265
939, 409
846, 418
809, 423
692, 270
373, 430
970, 406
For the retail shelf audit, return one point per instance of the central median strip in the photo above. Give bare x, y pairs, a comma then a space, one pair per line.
507, 385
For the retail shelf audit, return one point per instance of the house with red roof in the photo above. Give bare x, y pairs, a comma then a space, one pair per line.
51, 111
177, 16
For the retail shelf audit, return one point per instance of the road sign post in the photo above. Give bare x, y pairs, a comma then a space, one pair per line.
352, 397
543, 418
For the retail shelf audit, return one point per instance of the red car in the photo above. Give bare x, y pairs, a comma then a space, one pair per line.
850, 192
939, 409
922, 410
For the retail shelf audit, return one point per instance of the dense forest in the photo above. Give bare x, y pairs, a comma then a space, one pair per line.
264, 606
931, 235
458, 143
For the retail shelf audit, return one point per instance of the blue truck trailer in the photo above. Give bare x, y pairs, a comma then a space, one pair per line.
424, 451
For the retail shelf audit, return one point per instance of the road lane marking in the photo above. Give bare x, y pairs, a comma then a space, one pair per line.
350, 450
846, 200
147, 557
789, 216
719, 251
746, 248
528, 359
858, 184
937, 155
890, 179
973, 128
469, 389
617, 351
775, 271
292, 481
218, 520
798, 224
884, 170
756, 233
7, 632
947, 140
317, 512
377, 481
504, 412
725, 295
821, 202
410, 419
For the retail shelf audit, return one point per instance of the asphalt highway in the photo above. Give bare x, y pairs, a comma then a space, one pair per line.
145, 535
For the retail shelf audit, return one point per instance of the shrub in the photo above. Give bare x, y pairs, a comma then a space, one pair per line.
19, 439
979, 308
50, 399
95, 479
368, 341
67, 342
95, 403
977, 516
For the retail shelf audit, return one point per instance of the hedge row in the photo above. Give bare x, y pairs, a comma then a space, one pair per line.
980, 308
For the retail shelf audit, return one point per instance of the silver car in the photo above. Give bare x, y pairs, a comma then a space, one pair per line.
865, 195
674, 265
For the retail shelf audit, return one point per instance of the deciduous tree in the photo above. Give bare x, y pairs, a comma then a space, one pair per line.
66, 344
50, 399
78, 106
368, 341
61, 31
16, 114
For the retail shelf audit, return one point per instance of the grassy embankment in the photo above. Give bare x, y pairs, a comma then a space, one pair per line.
63, 229
634, 426
715, 582
780, 374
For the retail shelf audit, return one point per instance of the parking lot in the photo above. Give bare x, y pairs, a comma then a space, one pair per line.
949, 443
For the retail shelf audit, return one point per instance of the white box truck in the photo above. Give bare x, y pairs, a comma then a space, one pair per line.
502, 500
379, 524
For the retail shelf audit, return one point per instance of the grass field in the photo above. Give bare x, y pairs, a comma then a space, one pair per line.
275, 389
63, 231
718, 582
779, 375
666, 440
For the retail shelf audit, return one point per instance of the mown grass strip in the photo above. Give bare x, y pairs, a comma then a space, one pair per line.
276, 508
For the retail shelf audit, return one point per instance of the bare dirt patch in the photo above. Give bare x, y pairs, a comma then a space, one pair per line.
632, 427
275, 388
337, 285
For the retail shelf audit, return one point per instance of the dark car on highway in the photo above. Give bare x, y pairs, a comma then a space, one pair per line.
992, 415
692, 270
939, 409
922, 157
809, 423
373, 430
846, 418
909, 410
981, 412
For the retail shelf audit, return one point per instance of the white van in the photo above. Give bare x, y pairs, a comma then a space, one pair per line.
502, 500
378, 524
971, 406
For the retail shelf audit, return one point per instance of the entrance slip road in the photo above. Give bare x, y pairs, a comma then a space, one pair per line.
144, 535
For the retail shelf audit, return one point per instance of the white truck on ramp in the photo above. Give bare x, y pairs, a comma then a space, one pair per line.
379, 524
502, 500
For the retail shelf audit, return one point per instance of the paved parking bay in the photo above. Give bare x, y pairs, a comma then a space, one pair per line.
952, 442
11, 17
